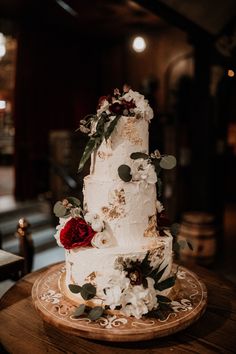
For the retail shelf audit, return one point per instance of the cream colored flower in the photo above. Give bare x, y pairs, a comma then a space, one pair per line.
102, 240
94, 220
159, 206
141, 170
142, 108
59, 227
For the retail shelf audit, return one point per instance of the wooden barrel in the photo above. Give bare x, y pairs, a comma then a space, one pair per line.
199, 229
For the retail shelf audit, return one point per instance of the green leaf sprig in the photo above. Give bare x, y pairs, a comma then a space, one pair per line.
87, 292
166, 162
62, 209
104, 129
93, 313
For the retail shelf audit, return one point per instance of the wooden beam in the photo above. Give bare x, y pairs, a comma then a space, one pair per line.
175, 18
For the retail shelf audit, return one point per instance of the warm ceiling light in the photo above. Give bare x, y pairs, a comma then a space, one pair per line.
231, 73
2, 104
139, 44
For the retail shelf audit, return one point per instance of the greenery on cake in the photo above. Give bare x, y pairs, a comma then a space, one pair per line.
146, 168
135, 290
110, 109
79, 228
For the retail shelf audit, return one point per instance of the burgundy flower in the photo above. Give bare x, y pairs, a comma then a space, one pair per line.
162, 220
135, 274
128, 104
101, 100
117, 108
76, 233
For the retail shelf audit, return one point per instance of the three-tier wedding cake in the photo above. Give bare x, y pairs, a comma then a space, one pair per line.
118, 250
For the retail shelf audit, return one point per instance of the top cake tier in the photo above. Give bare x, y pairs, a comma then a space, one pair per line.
118, 129
130, 135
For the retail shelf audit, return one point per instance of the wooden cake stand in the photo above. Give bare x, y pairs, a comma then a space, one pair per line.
188, 304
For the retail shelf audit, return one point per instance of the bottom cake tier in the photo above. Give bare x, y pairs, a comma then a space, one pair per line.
124, 279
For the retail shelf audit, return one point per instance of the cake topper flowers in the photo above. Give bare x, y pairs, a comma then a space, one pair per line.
110, 109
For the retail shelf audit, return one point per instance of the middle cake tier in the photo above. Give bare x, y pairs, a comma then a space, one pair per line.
127, 208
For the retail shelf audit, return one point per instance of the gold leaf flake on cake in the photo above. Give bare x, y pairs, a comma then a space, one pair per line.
91, 278
120, 196
130, 132
151, 230
115, 209
104, 155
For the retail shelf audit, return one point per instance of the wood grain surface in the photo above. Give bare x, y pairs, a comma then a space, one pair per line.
23, 331
53, 302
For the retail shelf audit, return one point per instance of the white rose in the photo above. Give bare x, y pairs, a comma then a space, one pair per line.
116, 287
59, 227
151, 176
113, 296
101, 240
137, 168
159, 206
142, 106
142, 170
97, 225
138, 301
94, 220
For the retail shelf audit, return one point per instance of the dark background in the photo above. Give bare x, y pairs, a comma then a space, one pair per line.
70, 53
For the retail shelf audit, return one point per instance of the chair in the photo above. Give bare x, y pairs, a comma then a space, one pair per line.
14, 266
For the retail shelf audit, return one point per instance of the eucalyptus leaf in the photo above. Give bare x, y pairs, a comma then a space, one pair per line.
161, 315
159, 187
75, 289
95, 313
124, 172
156, 163
168, 162
79, 310
165, 284
74, 201
139, 155
88, 291
89, 148
59, 209
163, 299
111, 126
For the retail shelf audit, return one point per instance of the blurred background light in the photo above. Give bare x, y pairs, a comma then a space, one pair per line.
2, 45
230, 73
139, 44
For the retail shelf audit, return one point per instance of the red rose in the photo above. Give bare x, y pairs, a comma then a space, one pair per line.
76, 233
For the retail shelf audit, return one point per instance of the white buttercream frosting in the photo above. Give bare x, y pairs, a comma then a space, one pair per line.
103, 267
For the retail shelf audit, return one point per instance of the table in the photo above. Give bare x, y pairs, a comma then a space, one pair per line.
10, 265
23, 331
